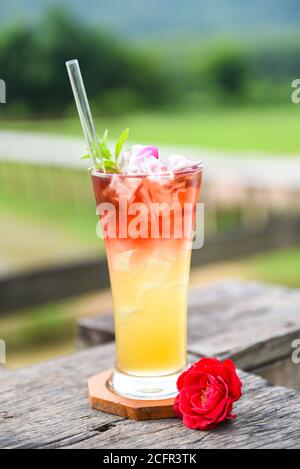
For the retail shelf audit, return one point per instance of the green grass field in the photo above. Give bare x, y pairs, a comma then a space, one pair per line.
54, 196
281, 267
271, 129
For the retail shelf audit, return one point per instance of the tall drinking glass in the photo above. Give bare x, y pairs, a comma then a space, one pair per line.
148, 223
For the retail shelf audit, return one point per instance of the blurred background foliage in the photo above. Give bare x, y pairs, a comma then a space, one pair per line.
32, 57
123, 77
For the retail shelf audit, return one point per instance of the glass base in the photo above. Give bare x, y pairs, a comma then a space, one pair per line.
144, 388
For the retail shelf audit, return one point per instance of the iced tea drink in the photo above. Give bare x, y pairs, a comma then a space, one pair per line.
149, 254
147, 206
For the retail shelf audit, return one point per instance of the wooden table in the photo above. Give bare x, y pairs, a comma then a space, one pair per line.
46, 406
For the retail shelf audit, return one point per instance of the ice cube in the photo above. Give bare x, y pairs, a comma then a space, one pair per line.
178, 162
121, 260
159, 268
125, 186
126, 311
160, 189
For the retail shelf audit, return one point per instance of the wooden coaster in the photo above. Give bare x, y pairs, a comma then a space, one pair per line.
101, 398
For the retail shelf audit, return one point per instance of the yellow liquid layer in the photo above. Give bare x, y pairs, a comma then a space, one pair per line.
150, 290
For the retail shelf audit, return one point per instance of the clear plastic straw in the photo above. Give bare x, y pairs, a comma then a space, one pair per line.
84, 111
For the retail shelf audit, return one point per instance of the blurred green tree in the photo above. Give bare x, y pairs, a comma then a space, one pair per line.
32, 61
228, 71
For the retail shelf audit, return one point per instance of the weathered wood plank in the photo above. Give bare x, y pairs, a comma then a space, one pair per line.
46, 406
254, 332
95, 330
252, 323
281, 373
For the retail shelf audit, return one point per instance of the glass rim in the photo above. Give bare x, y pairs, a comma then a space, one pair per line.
199, 166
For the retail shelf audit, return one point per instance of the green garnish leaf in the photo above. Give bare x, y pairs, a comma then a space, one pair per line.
110, 165
105, 151
122, 139
104, 138
103, 156
84, 157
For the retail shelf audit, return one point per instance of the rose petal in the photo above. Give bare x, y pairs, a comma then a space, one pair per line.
149, 151
207, 391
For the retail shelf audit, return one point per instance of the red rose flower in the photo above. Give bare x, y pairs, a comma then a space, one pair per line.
207, 391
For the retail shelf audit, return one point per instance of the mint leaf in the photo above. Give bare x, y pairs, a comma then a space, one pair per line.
111, 165
105, 151
122, 139
102, 154
104, 138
